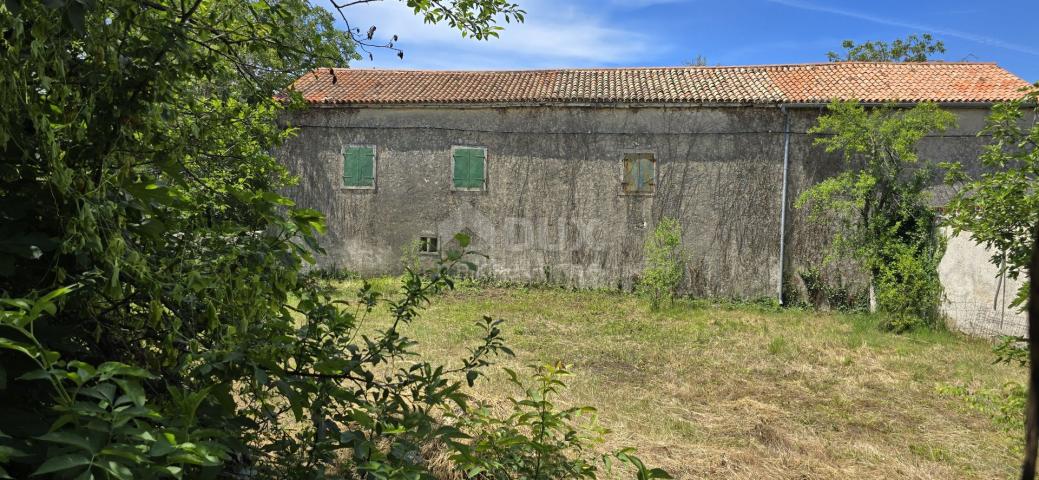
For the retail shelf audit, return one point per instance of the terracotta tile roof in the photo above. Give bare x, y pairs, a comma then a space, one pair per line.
804, 83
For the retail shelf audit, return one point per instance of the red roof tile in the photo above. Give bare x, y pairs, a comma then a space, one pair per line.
805, 83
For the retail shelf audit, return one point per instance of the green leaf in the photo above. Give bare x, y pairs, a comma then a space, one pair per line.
119, 470
69, 438
659, 473
62, 463
133, 389
462, 239
25, 348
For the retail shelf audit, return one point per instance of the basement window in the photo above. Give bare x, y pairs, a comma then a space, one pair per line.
428, 245
639, 174
359, 167
468, 168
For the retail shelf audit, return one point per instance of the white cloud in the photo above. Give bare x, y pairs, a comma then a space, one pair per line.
995, 42
552, 36
634, 4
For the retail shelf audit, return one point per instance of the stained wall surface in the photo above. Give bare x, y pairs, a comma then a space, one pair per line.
554, 208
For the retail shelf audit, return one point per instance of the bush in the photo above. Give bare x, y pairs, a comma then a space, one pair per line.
278, 399
665, 262
155, 315
835, 296
905, 264
538, 439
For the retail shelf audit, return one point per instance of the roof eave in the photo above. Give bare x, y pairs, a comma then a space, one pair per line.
721, 104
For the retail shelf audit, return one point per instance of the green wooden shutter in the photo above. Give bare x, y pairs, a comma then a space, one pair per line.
469, 167
477, 158
359, 167
628, 183
460, 176
646, 176
349, 175
639, 175
366, 167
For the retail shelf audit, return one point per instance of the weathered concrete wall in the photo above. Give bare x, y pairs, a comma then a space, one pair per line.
553, 207
977, 300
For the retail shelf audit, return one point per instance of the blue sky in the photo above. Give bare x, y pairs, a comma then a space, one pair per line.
613, 33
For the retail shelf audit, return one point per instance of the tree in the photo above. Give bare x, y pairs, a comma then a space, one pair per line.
912, 49
154, 320
999, 207
699, 61
473, 18
879, 203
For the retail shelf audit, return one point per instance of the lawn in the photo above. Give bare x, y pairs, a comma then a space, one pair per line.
708, 391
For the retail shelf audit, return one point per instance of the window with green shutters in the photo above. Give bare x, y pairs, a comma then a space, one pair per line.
639, 174
468, 168
359, 167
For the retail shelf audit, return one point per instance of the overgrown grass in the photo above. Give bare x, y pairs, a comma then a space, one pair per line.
751, 391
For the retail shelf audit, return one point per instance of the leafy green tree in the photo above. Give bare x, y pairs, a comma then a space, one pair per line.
879, 203
153, 317
999, 207
912, 49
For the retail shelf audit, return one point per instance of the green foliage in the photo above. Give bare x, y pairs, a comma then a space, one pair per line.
1012, 350
409, 257
838, 296
473, 18
913, 49
155, 318
665, 263
879, 204
1000, 206
103, 425
1006, 404
539, 439
332, 273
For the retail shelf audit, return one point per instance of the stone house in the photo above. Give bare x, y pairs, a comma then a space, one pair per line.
558, 175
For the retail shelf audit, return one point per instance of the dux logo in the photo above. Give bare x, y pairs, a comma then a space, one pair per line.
471, 221
517, 234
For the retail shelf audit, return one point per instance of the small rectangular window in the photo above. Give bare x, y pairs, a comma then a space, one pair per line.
639, 173
428, 245
468, 168
359, 167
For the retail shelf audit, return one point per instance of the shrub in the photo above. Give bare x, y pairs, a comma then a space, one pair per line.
538, 439
836, 296
277, 399
905, 264
409, 257
665, 262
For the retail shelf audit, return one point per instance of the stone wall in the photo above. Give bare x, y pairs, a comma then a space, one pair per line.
554, 210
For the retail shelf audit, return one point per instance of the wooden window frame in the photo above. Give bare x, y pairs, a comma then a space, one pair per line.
375, 168
424, 241
451, 171
656, 173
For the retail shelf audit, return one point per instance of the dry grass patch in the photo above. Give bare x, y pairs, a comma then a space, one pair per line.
744, 393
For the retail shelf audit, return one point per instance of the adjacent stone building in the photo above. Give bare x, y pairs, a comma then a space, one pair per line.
558, 175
